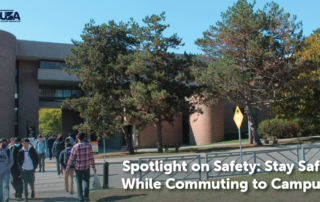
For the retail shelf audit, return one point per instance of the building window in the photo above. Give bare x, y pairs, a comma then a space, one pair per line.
55, 65
52, 93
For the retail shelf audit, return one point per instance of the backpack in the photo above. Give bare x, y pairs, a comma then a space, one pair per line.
59, 147
67, 155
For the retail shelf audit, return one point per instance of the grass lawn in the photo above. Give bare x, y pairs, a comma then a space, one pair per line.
208, 148
186, 195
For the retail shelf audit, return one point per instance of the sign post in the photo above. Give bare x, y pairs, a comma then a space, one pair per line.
238, 117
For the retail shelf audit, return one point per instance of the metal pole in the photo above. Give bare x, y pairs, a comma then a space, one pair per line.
240, 150
104, 141
105, 175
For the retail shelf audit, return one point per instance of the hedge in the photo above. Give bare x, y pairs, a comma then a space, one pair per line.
283, 128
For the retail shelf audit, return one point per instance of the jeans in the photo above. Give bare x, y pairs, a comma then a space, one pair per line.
17, 180
50, 153
28, 178
58, 165
4, 185
85, 176
41, 160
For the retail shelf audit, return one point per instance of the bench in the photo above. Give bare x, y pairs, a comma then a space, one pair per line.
176, 146
270, 138
124, 148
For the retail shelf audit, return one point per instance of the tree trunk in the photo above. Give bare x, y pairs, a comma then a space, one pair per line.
252, 124
128, 140
159, 133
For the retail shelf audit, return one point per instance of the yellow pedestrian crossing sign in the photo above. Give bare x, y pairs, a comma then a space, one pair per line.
238, 117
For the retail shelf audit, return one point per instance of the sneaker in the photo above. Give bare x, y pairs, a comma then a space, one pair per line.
86, 199
19, 199
39, 170
43, 170
66, 190
32, 194
71, 192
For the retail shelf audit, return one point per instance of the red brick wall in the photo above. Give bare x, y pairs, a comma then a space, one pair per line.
170, 134
7, 83
208, 127
28, 96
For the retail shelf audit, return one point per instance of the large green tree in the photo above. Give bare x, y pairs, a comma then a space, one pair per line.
251, 55
103, 77
161, 81
49, 121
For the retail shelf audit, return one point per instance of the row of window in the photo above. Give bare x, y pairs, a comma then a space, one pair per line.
60, 93
55, 65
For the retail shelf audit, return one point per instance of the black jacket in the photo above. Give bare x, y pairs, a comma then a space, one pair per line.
15, 150
33, 155
50, 143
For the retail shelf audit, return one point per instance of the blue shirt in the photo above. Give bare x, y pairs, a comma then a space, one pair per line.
40, 146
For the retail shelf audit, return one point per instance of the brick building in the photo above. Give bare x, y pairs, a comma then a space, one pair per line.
31, 77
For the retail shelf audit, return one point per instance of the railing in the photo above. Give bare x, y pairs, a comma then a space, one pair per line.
292, 156
161, 176
286, 156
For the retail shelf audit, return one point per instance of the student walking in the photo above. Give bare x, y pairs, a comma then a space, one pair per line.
15, 171
58, 147
6, 162
70, 138
82, 155
28, 162
40, 146
11, 142
63, 159
50, 145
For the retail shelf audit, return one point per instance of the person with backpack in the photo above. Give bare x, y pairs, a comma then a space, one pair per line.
6, 162
82, 155
15, 171
58, 147
70, 138
63, 159
40, 146
50, 145
28, 161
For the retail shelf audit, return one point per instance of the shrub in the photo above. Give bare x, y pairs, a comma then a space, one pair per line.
283, 128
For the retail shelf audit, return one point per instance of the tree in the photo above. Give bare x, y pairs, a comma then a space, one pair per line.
250, 54
103, 77
303, 100
160, 85
49, 121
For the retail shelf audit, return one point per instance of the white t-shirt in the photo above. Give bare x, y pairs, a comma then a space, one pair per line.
27, 164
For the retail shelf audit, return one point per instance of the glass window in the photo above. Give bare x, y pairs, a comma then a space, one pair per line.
51, 65
42, 64
47, 65
59, 93
50, 92
66, 93
42, 92
56, 65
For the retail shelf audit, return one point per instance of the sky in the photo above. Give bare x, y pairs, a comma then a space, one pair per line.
59, 21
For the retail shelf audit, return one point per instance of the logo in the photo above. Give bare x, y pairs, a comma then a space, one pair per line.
9, 16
